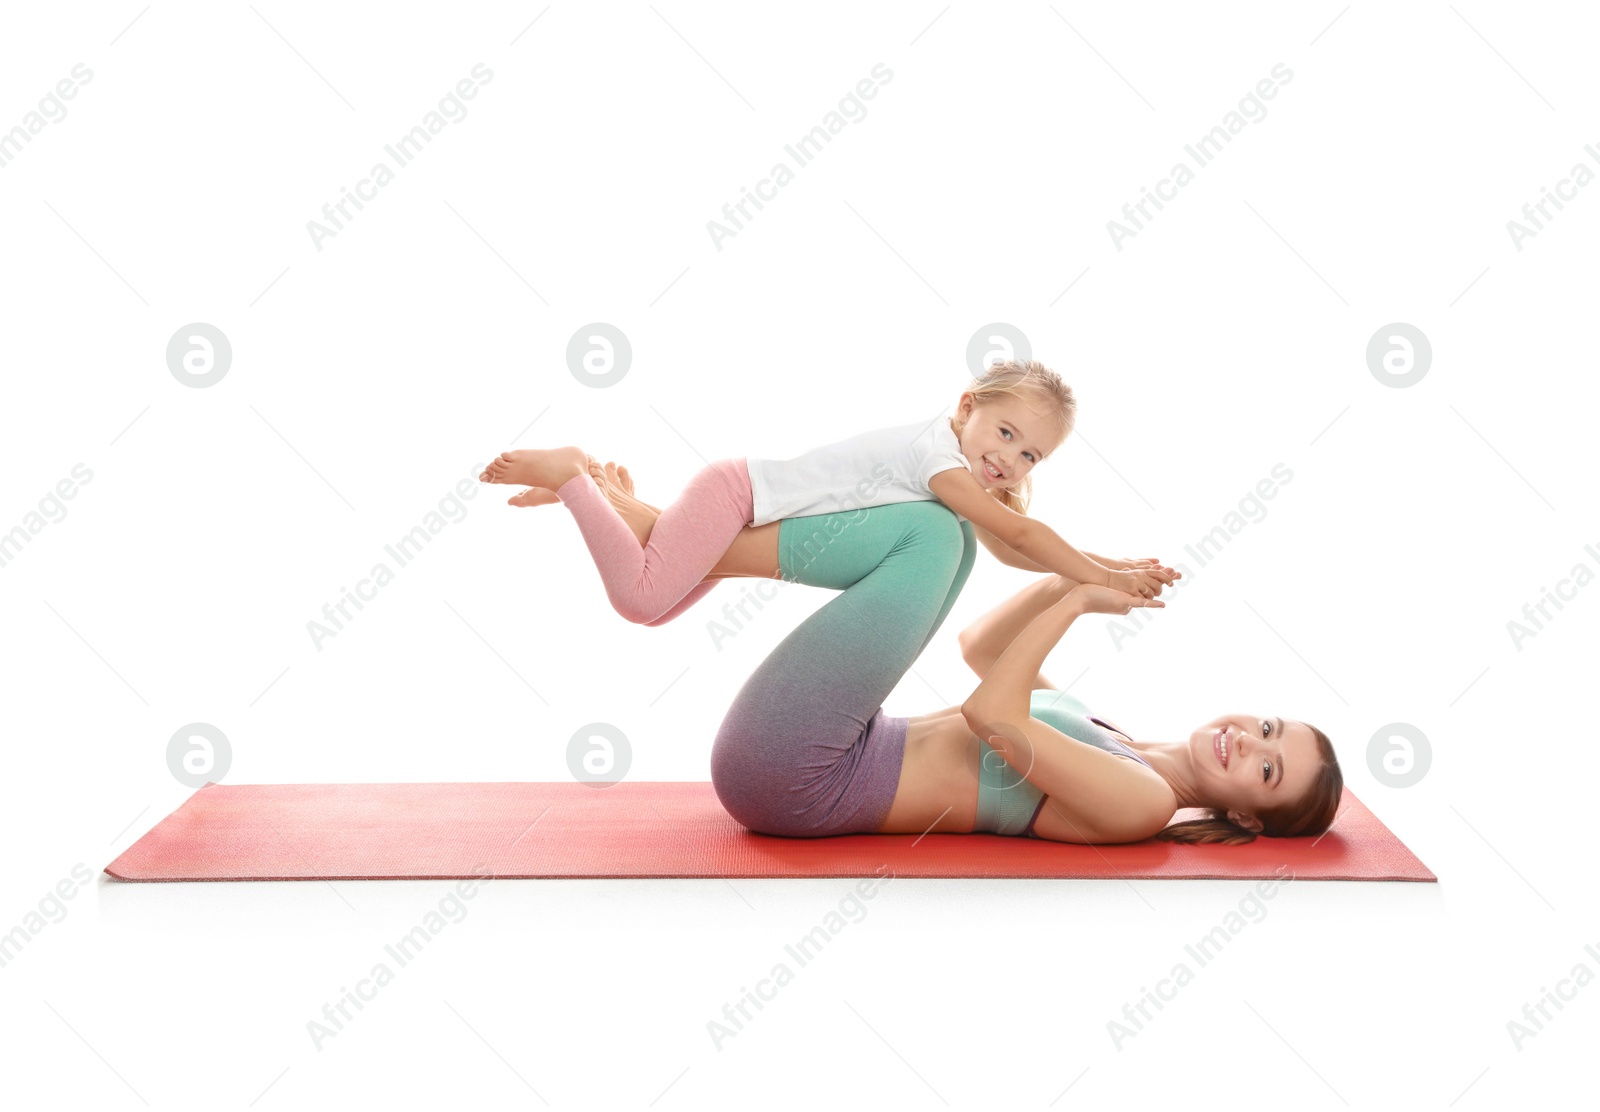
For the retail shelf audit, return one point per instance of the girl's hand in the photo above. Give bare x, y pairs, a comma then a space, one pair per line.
1092, 598
1149, 562
1146, 564
1139, 581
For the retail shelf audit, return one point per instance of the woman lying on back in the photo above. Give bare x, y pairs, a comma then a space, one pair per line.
1018, 757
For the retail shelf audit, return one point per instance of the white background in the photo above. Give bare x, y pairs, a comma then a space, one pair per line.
370, 376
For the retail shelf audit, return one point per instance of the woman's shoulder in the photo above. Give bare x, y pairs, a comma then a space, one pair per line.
1151, 804
1151, 799
1130, 803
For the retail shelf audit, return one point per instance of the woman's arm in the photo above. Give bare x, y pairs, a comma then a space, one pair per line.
1003, 694
1125, 805
986, 638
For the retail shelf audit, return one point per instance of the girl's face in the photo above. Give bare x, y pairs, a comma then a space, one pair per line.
1247, 764
1004, 440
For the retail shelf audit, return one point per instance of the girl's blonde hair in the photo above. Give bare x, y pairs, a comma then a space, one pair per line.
1037, 387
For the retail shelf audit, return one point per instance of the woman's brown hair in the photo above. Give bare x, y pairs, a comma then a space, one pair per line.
1041, 390
1312, 814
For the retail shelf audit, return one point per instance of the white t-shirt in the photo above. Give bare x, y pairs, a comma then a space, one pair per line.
874, 468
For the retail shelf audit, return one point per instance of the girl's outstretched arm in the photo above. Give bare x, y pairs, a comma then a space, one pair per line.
1011, 558
1007, 555
1035, 540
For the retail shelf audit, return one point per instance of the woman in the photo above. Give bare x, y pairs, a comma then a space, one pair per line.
806, 750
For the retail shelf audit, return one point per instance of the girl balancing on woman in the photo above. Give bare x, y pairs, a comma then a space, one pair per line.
976, 463
806, 750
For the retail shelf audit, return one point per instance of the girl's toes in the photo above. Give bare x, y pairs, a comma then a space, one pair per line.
618, 476
533, 496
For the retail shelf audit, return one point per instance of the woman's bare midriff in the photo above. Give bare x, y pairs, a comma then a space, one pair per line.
938, 789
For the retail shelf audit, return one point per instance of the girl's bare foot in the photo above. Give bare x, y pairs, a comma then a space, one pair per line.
539, 496
617, 485
533, 496
754, 553
547, 468
617, 475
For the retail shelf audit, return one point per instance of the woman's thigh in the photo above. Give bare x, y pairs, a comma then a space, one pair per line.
805, 750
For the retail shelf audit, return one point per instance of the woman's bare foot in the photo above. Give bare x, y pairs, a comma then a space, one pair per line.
547, 468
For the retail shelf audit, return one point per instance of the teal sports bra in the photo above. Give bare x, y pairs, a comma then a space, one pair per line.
1008, 803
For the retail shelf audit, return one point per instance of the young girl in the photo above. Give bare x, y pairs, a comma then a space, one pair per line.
977, 463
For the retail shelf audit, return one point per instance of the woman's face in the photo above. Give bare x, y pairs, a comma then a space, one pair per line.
1006, 434
1248, 764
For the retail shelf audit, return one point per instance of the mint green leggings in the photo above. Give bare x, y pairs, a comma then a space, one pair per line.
806, 750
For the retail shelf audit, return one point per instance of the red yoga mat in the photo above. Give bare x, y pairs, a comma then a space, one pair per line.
658, 829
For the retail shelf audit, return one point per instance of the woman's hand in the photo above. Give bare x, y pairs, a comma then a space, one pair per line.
1093, 598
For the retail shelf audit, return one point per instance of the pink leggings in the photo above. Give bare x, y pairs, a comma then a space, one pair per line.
654, 583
